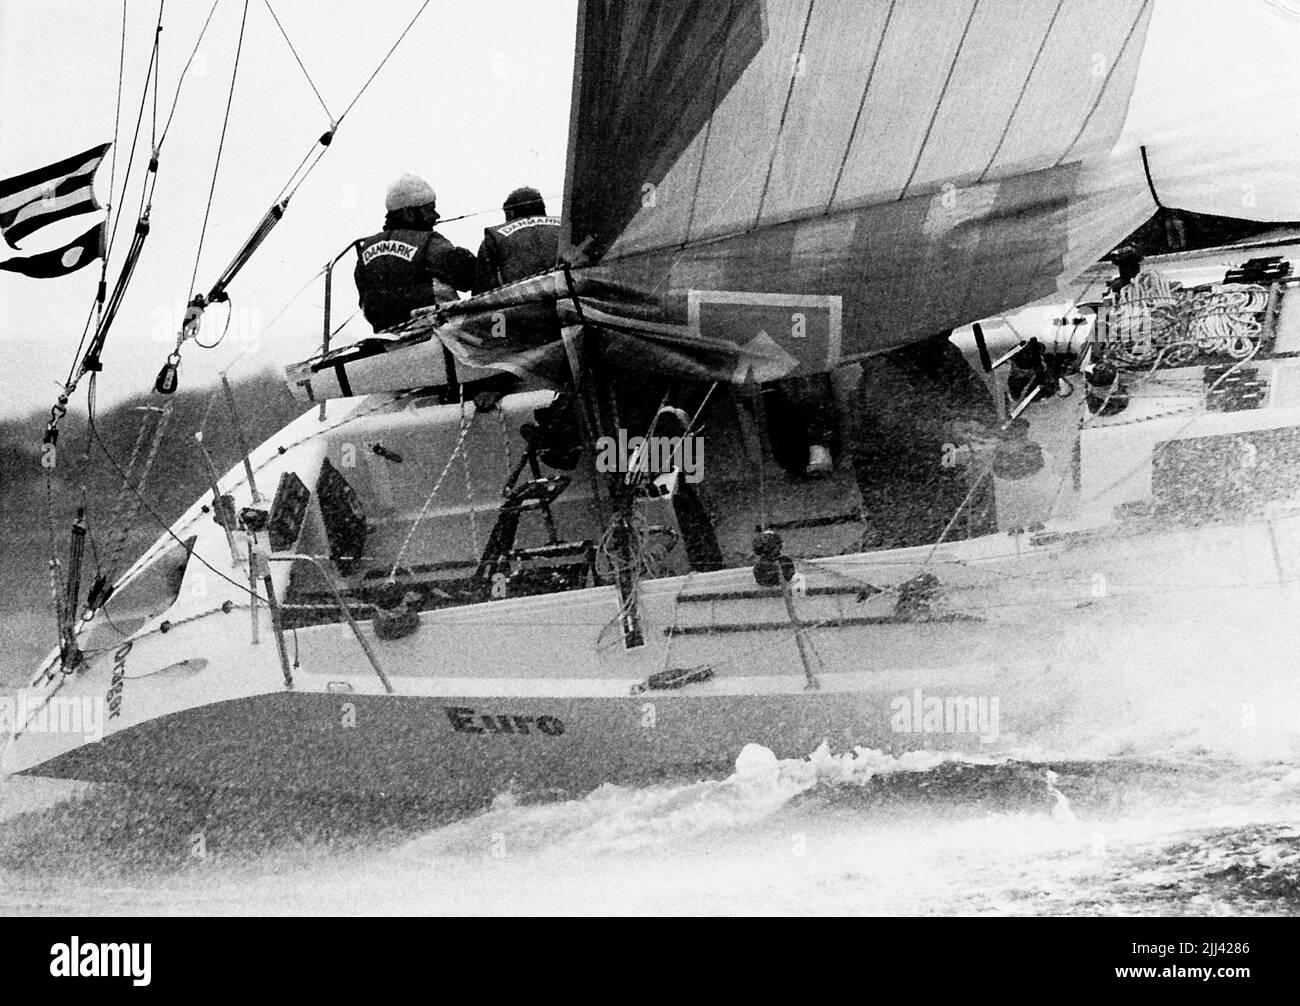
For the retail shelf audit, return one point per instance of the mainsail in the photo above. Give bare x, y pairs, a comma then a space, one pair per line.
770, 189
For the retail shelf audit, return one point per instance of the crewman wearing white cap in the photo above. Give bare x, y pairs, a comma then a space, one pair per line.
408, 264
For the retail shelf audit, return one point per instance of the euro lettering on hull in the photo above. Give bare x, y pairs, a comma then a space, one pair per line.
468, 721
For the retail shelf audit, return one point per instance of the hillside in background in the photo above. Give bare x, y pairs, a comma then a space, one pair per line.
120, 526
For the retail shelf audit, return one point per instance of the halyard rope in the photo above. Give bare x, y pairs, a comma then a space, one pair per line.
437, 485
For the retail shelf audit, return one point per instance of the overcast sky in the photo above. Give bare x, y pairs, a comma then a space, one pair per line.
476, 100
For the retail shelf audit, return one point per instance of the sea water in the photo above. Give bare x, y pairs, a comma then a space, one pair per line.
859, 833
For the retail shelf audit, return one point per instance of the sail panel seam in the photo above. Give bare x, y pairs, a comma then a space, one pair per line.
943, 92
785, 111
708, 129
1024, 89
866, 88
1105, 84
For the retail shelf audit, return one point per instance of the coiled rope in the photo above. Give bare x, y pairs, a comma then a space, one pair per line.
1226, 321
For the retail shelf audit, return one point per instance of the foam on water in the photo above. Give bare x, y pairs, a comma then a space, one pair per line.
858, 833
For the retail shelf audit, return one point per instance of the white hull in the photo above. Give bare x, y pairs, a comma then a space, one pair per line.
520, 694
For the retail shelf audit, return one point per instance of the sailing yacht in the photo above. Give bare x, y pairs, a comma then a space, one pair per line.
408, 592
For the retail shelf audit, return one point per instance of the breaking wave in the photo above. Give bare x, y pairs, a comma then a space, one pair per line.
859, 833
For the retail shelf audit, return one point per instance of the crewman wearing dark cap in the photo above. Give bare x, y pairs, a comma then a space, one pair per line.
526, 244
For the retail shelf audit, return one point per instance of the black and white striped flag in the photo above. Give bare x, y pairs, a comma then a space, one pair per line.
60, 261
35, 198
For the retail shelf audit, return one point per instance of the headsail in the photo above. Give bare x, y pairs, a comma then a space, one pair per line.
843, 177
908, 166
647, 78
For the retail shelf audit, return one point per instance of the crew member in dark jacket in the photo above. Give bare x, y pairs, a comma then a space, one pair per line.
408, 264
526, 244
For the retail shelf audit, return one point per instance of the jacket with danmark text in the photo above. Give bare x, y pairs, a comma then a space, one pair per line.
400, 270
516, 250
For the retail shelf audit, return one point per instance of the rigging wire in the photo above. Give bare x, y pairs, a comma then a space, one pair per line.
146, 189
89, 363
290, 187
300, 174
144, 504
60, 408
186, 69
85, 331
150, 77
107, 311
207, 413
296, 179
221, 143
199, 302
437, 486
112, 163
157, 76
303, 68
120, 503
370, 79
127, 517
345, 323
97, 306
